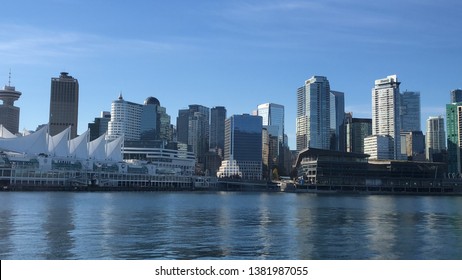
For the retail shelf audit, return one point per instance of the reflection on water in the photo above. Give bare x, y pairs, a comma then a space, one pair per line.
228, 226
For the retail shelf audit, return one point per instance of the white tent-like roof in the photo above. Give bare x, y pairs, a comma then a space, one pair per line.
5, 133
34, 143
114, 148
58, 145
78, 147
97, 148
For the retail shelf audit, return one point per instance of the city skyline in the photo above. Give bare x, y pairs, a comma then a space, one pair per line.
220, 55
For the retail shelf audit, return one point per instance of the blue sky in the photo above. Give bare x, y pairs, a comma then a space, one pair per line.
236, 54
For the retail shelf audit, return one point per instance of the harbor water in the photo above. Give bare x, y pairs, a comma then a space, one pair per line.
228, 225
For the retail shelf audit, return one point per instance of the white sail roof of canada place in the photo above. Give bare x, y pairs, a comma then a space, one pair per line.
34, 143
60, 145
5, 133
78, 147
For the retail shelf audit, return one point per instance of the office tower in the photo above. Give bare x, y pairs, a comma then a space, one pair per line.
198, 132
217, 129
410, 111
456, 95
337, 121
64, 104
385, 113
356, 130
182, 123
99, 125
243, 147
273, 119
454, 129
273, 123
9, 114
313, 114
155, 122
413, 145
436, 137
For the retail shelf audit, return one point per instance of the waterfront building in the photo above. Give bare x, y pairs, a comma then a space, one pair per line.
9, 114
379, 146
100, 125
436, 137
385, 113
337, 121
456, 95
332, 171
64, 104
454, 136
167, 161
410, 111
356, 130
243, 147
313, 114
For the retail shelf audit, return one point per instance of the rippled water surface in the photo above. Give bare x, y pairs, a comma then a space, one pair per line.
157, 225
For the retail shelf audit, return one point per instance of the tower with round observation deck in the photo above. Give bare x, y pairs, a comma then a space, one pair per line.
9, 114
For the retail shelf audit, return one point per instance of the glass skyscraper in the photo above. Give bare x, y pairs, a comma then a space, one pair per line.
454, 137
337, 121
243, 144
456, 95
64, 104
410, 111
217, 129
313, 114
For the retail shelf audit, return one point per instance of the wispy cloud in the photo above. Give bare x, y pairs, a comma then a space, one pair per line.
30, 45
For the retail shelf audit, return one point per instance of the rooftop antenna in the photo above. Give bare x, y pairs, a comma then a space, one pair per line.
9, 78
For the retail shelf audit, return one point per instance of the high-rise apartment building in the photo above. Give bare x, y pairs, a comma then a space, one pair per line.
9, 114
456, 95
313, 114
410, 111
337, 121
243, 147
436, 137
64, 104
386, 114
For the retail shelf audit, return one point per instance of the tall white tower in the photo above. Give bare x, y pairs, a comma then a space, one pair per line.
385, 111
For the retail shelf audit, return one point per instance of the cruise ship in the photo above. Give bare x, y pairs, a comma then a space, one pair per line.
39, 161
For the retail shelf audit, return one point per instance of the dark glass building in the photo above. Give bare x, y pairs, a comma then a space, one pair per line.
64, 104
243, 143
